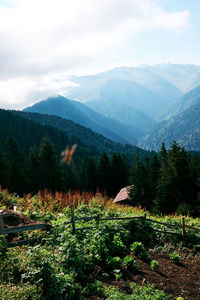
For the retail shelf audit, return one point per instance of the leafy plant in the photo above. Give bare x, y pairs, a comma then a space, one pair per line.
138, 249
118, 247
154, 265
117, 273
20, 292
130, 263
175, 257
114, 262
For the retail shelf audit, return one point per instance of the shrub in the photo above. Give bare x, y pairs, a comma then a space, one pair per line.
117, 246
20, 292
138, 249
154, 265
175, 257
130, 263
114, 262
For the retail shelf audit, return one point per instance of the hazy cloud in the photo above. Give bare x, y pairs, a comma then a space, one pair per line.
41, 41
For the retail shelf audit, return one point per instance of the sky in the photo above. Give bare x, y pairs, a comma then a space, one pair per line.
42, 42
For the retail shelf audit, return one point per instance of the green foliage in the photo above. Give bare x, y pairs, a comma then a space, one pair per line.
130, 263
118, 246
65, 265
175, 257
141, 192
147, 292
154, 265
138, 249
22, 291
7, 199
114, 262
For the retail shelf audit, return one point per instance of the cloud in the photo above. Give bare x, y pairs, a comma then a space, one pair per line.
42, 39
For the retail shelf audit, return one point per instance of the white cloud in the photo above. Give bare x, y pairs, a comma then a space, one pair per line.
42, 39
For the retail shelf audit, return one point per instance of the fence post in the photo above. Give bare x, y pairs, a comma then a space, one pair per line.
72, 219
183, 227
97, 219
1, 225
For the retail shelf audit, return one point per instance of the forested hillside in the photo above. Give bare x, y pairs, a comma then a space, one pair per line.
182, 125
30, 155
166, 182
88, 137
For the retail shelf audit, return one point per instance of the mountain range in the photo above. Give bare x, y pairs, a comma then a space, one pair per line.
142, 106
182, 125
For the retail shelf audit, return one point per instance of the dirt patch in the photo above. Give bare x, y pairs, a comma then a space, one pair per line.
181, 280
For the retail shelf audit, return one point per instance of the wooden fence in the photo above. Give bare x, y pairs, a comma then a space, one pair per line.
48, 226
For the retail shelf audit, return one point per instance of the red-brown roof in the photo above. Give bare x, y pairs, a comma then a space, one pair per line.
123, 194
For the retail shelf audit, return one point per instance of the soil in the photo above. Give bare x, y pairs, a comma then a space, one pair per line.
180, 280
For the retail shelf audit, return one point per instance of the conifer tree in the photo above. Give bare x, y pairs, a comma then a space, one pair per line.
70, 178
141, 191
104, 173
16, 170
175, 186
88, 175
49, 170
2, 170
118, 174
34, 170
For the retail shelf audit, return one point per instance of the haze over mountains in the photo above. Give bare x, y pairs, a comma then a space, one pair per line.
182, 125
85, 116
144, 106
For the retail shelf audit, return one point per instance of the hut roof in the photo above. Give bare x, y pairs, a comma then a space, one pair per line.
123, 194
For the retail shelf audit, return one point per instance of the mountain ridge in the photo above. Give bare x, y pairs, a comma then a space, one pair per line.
85, 116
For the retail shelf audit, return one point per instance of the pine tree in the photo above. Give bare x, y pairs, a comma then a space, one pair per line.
2, 170
175, 186
34, 170
70, 178
163, 154
104, 173
16, 170
118, 174
141, 191
50, 172
88, 175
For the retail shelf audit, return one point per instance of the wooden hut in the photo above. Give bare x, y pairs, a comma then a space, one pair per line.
123, 195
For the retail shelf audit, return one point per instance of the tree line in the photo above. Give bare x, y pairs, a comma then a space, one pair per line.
42, 169
167, 183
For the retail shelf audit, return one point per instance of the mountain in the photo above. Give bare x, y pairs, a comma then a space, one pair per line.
28, 131
184, 77
183, 126
118, 111
86, 136
133, 95
85, 116
88, 87
146, 78
122, 101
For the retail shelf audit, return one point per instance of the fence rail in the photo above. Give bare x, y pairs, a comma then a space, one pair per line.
97, 219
